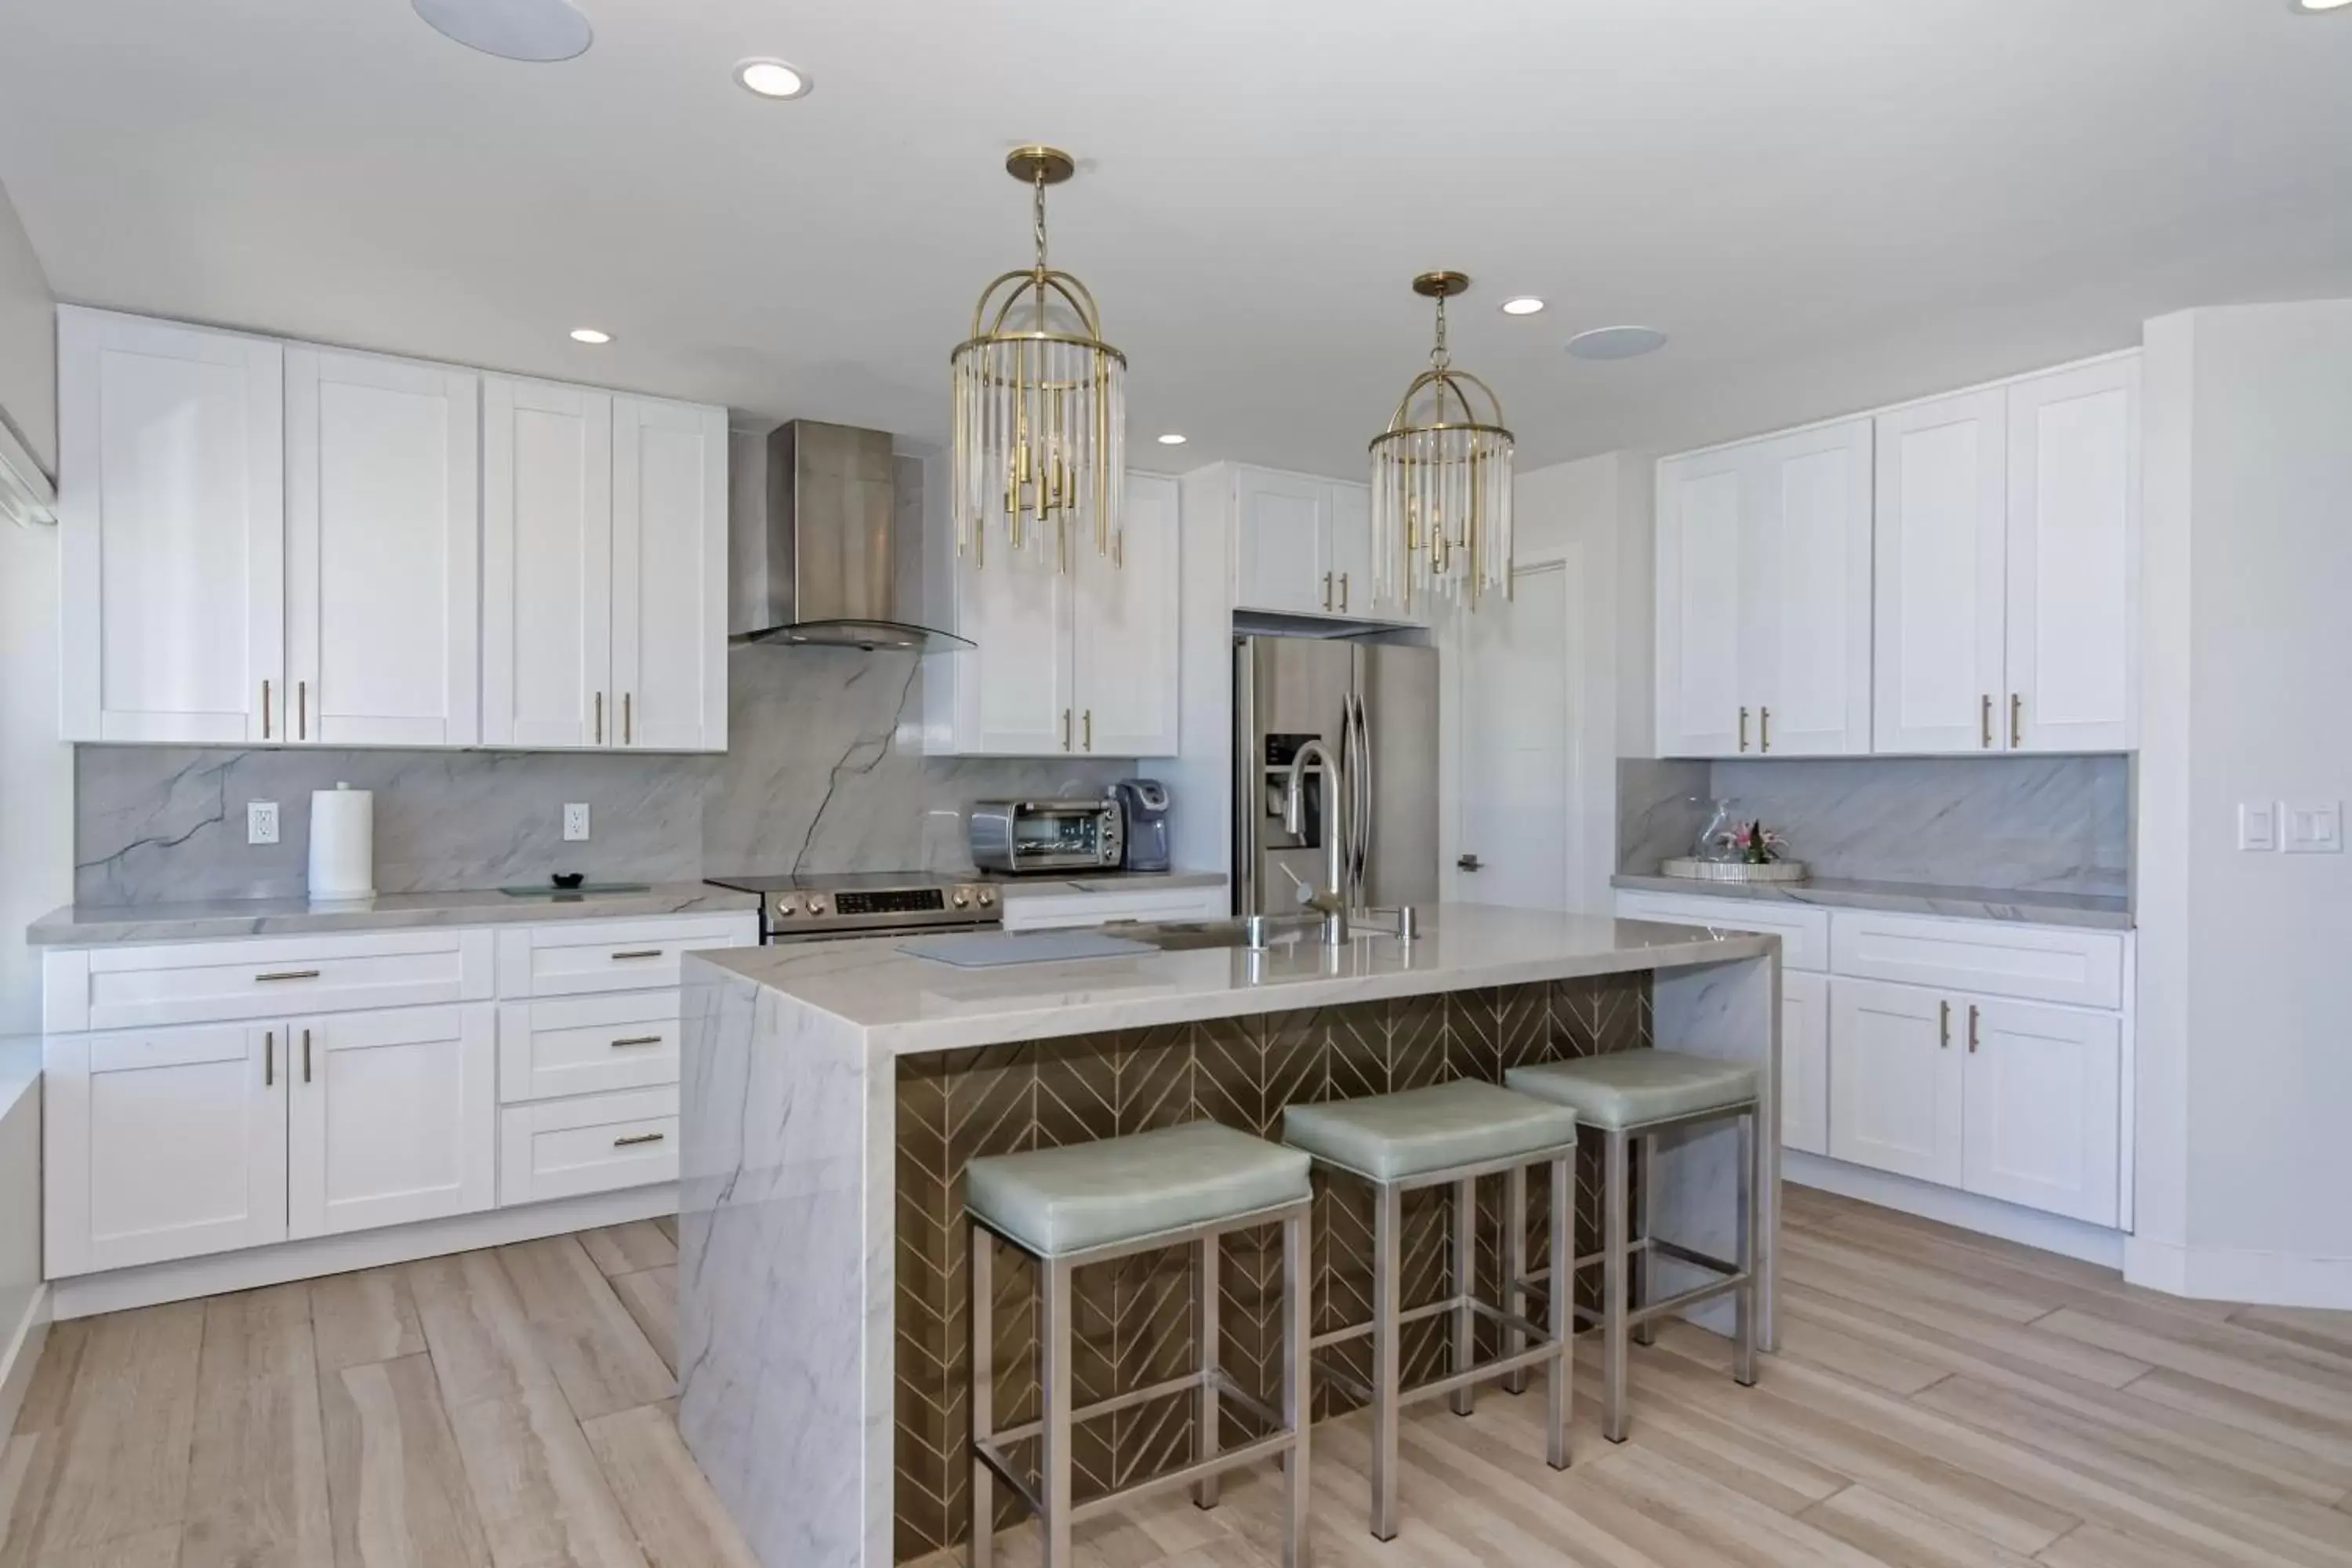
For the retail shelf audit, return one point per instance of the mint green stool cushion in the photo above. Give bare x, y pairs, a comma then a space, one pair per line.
1395, 1136
1631, 1088
1057, 1201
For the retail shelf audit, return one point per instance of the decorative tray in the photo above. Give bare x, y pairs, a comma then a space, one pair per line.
1733, 870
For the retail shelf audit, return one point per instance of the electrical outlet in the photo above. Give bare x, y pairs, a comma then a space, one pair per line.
575, 822
261, 822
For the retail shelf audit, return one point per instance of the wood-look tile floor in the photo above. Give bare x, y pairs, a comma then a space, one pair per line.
1940, 1400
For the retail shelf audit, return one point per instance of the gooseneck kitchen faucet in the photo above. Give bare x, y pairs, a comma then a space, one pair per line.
1331, 903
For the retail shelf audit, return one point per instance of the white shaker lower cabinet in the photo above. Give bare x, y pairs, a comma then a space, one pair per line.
392, 1118
1804, 1062
1895, 1094
2044, 1093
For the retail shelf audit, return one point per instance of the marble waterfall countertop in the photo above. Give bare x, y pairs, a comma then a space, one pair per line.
2110, 912
896, 1004
89, 925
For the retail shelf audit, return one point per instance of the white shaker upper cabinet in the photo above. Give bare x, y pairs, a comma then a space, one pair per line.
1283, 555
669, 575
172, 526
1707, 532
1125, 666
1805, 615
1351, 553
1014, 693
2074, 559
1942, 472
383, 532
546, 564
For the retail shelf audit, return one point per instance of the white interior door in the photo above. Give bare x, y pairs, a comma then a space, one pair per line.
171, 531
1517, 775
2074, 559
1941, 541
669, 575
2044, 1107
1283, 551
1705, 521
393, 1117
1896, 1070
1805, 1062
1125, 660
382, 537
547, 563
1807, 616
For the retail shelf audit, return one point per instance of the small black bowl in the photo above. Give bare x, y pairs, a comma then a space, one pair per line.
568, 880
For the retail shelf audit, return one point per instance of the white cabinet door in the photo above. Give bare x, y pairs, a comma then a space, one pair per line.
1805, 624
1349, 507
1125, 631
1707, 531
1805, 1062
382, 537
171, 523
2074, 559
1014, 691
1941, 503
1283, 546
393, 1117
546, 564
2044, 1107
669, 575
162, 1143
1896, 1080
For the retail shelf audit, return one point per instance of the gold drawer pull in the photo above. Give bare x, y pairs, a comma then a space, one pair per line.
638, 1138
637, 952
287, 975
637, 1040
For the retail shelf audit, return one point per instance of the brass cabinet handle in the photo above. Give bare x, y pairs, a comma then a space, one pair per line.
1972, 1029
637, 952
1343, 591
638, 1138
306, 1056
1764, 728
301, 709
1327, 590
1943, 1026
1090, 729
1743, 728
287, 975
637, 1040
2016, 721
599, 718
264, 710
1984, 722
268, 1058
1066, 729
628, 719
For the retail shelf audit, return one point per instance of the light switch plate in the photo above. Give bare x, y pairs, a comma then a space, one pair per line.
575, 822
2311, 826
261, 822
2257, 825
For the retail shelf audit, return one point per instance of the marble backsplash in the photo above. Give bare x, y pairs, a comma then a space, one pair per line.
2044, 824
825, 772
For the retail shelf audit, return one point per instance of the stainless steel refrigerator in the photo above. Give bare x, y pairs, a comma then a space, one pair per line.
1374, 707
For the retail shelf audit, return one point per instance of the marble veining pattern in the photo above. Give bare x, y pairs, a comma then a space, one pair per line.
2098, 911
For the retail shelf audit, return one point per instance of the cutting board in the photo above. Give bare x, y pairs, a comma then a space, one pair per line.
995, 950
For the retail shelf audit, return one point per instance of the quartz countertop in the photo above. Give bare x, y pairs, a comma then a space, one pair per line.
901, 1004
89, 925
1099, 881
2110, 912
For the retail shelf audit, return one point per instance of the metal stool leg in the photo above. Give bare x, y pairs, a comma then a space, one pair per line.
1297, 1382
981, 1309
1615, 1201
1465, 1278
1751, 1231
1388, 1244
1646, 1262
1056, 1398
1205, 1416
1559, 1385
1515, 1268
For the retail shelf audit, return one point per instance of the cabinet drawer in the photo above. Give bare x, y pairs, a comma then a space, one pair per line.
596, 1143
587, 1045
1050, 912
199, 982
2038, 963
1804, 932
611, 955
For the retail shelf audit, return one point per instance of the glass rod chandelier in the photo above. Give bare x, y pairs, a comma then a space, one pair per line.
1040, 442
1442, 480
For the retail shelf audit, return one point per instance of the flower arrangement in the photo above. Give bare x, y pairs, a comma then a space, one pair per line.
1757, 844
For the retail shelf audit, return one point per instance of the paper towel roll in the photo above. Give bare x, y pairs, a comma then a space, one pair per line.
342, 843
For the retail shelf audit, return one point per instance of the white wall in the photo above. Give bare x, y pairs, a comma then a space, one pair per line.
35, 768
2245, 1073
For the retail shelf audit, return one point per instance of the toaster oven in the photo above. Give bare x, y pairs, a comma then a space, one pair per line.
1023, 835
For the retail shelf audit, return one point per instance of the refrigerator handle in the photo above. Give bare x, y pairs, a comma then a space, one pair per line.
1363, 793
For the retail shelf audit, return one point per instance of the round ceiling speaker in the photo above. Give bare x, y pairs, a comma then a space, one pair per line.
511, 29
1616, 342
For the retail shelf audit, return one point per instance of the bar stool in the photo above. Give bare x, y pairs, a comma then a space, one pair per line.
1093, 1203
1639, 1094
1451, 1133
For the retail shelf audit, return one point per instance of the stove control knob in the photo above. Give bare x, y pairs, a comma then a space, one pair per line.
962, 897
816, 906
787, 906
987, 899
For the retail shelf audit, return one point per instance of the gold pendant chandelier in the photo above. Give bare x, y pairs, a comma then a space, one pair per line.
1040, 444
1442, 480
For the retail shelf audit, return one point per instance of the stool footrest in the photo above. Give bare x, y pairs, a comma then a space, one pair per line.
1534, 1355
1133, 1397
1720, 1265
1635, 1316
1357, 1331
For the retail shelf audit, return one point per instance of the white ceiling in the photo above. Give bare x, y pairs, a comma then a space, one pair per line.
1829, 203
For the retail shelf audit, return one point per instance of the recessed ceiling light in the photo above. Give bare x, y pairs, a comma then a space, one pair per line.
1172, 439
540, 30
1524, 305
590, 335
1616, 342
2310, 7
773, 77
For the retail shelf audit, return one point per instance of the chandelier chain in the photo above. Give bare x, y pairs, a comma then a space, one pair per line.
1040, 222
1438, 356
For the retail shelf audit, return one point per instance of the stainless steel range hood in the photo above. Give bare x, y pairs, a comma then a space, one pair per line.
821, 552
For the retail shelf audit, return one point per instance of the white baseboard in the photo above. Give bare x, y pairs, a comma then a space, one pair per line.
1987, 1216
190, 1277
2223, 1274
23, 1353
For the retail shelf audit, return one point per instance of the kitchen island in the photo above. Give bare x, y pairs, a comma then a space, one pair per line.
834, 1093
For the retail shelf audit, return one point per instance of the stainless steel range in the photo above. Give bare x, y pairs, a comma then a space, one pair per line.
877, 903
